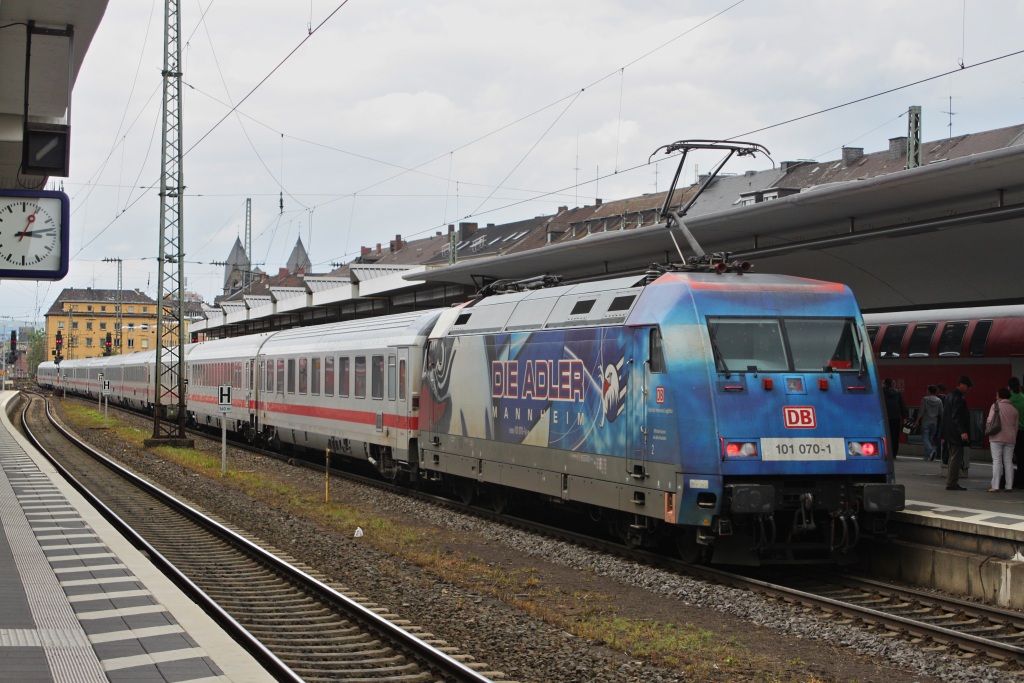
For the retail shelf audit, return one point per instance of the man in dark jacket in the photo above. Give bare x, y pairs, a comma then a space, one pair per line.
956, 427
895, 413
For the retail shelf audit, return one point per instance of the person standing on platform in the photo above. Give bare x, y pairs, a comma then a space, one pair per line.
1017, 399
895, 413
956, 428
928, 419
1002, 441
939, 439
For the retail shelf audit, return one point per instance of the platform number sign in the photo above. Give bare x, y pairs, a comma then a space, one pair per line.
224, 397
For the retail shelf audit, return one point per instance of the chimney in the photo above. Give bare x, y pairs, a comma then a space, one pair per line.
397, 244
378, 247
364, 251
598, 202
898, 148
437, 234
451, 228
466, 230
281, 272
851, 154
563, 209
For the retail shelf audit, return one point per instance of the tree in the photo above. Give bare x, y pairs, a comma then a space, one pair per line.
36, 351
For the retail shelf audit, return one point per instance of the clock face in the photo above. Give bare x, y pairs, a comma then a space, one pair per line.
33, 235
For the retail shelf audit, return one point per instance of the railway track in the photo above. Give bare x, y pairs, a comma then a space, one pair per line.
966, 628
301, 628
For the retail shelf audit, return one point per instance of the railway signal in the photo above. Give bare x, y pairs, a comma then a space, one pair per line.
109, 345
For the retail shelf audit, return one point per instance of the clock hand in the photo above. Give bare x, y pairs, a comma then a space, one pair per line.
31, 220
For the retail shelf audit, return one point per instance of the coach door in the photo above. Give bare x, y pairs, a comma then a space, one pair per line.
403, 406
640, 382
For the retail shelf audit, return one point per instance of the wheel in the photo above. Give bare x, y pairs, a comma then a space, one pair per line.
466, 490
500, 501
689, 550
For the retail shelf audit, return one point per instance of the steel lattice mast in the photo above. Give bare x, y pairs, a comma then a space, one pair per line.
169, 396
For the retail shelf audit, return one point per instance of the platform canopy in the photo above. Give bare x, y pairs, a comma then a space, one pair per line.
950, 233
55, 60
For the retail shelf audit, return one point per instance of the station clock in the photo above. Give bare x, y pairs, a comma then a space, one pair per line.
33, 234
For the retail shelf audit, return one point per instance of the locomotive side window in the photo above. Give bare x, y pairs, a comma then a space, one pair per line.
892, 341
821, 343
329, 376
314, 378
291, 375
401, 380
979, 338
921, 340
582, 307
952, 338
377, 377
747, 344
280, 375
655, 350
621, 303
392, 378
360, 380
343, 382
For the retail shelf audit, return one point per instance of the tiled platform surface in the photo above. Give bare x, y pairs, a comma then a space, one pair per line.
929, 501
79, 603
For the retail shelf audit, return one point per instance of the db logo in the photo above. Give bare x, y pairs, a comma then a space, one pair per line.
799, 417
659, 395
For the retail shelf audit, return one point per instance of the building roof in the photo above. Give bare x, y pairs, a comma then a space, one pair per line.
298, 260
100, 296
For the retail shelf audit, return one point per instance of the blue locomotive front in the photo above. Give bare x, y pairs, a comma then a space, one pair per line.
766, 397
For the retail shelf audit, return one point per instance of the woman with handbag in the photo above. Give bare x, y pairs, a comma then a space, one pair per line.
1001, 430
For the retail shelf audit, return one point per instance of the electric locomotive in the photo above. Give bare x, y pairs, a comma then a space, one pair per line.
737, 414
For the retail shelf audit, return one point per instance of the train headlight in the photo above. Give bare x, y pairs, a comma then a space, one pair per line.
868, 448
741, 449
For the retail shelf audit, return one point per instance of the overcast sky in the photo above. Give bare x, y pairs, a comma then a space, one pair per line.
401, 117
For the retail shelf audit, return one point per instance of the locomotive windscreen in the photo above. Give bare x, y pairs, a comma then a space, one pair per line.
781, 345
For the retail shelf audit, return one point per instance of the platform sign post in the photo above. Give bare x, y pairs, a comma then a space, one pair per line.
224, 405
99, 403
106, 401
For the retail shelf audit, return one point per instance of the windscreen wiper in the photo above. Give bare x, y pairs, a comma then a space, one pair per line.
719, 358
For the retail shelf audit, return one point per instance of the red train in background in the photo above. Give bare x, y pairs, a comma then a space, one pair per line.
918, 348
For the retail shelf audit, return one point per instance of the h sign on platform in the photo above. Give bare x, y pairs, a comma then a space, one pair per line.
224, 395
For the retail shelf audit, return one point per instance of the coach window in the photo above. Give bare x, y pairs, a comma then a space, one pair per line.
979, 338
329, 376
892, 341
377, 378
952, 339
314, 378
270, 376
280, 375
303, 375
872, 333
392, 378
921, 340
401, 380
343, 380
291, 375
360, 382
657, 359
